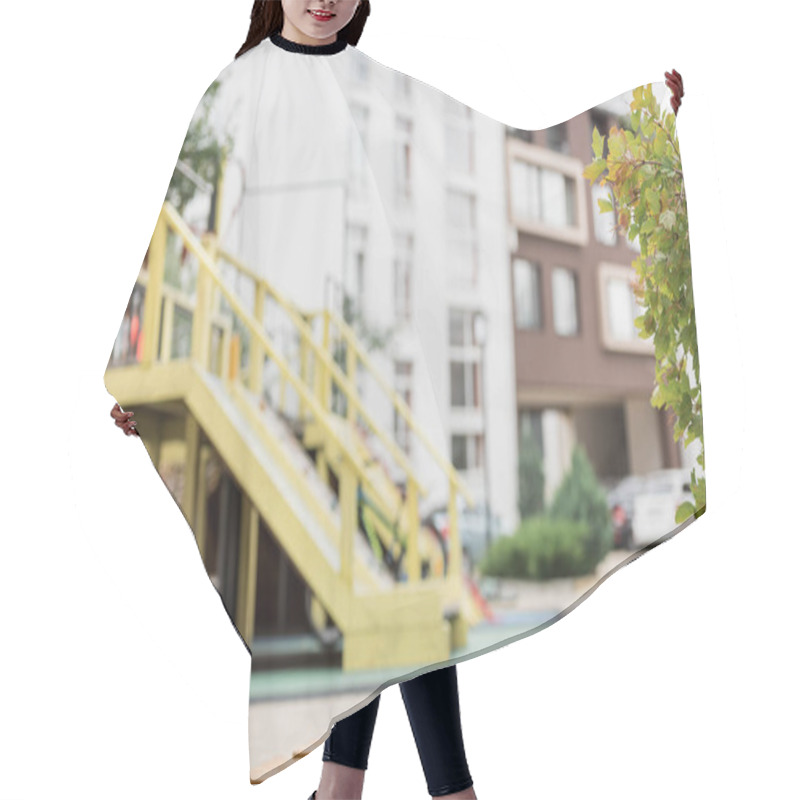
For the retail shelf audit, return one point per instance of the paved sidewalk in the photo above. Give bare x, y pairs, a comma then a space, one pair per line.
288, 704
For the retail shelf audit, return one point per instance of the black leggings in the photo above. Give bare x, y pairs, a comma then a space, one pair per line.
431, 701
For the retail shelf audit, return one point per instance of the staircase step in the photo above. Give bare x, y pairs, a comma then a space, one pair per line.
300, 460
296, 644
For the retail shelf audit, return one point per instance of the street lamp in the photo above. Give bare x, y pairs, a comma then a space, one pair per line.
480, 334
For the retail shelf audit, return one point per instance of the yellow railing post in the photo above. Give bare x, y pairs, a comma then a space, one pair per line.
323, 389
200, 318
314, 394
282, 401
152, 296
348, 514
248, 570
325, 375
412, 541
234, 357
303, 375
220, 184
256, 351
347, 333
166, 330
224, 351
313, 382
351, 379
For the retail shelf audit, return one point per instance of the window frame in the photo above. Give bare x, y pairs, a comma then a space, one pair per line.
610, 271
403, 276
573, 273
403, 157
538, 305
543, 158
475, 450
464, 238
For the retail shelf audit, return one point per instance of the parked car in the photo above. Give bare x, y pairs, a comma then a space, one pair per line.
654, 497
655, 505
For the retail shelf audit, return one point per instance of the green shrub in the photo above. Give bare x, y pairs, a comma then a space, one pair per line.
542, 547
506, 558
531, 477
570, 539
580, 497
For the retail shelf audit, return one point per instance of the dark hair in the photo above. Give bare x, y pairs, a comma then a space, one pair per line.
266, 18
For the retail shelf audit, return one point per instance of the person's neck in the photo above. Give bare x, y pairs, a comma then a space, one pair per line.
294, 34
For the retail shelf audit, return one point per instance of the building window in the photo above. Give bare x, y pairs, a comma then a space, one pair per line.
543, 195
622, 309
355, 280
557, 138
525, 190
402, 160
358, 148
530, 427
403, 277
403, 384
466, 451
619, 308
459, 139
558, 198
527, 294
461, 327
565, 302
465, 364
604, 221
465, 383
462, 238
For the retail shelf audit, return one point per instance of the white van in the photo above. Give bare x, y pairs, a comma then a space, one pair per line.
654, 506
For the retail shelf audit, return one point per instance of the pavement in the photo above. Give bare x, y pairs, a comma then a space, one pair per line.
290, 707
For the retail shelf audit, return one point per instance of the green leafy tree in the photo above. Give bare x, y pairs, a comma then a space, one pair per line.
202, 154
531, 477
643, 170
581, 498
199, 162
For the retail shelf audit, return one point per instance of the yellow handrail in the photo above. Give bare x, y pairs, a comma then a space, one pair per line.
349, 334
456, 484
353, 466
345, 385
399, 404
208, 254
206, 264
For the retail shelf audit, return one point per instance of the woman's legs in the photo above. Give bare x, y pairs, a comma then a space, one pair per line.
434, 713
433, 710
351, 737
346, 753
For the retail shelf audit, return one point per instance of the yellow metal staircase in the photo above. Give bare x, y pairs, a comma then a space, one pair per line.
266, 447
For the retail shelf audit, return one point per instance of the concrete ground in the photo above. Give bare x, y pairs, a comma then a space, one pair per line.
295, 707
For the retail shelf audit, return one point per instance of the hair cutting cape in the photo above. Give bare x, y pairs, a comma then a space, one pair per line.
419, 381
